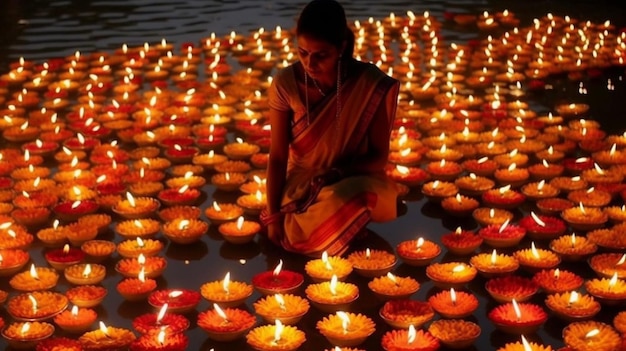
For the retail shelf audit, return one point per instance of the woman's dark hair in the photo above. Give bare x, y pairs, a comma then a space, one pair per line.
326, 20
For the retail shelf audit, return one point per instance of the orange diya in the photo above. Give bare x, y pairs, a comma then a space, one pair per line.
228, 181
346, 329
607, 291
409, 176
97, 250
437, 190
226, 293
511, 287
409, 340
591, 336
572, 247
491, 216
393, 287
450, 274
444, 170
12, 261
455, 333
539, 190
607, 264
461, 242
333, 295
36, 278
525, 346
85, 274
473, 185
76, 320
132, 208
152, 266
133, 228
239, 232
492, 264
534, 259
323, 269
227, 324
178, 300
518, 318
584, 218
459, 205
572, 305
512, 175
26, 335
418, 252
106, 338
557, 281
220, 213
163, 339
403, 313
185, 231
36, 305
133, 248
453, 304
86, 295
372, 263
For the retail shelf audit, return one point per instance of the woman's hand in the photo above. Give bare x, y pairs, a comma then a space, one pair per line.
276, 231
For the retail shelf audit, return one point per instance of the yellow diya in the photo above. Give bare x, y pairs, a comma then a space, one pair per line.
333, 295
133, 228
253, 203
133, 248
239, 232
36, 278
227, 324
85, 273
454, 333
323, 269
584, 218
403, 313
372, 263
534, 259
98, 250
133, 208
607, 264
346, 329
607, 291
391, 286
525, 346
491, 216
451, 274
276, 337
225, 292
494, 263
152, 266
572, 305
228, 181
288, 309
437, 190
608, 238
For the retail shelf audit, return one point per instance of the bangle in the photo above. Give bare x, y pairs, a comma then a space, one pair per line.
267, 219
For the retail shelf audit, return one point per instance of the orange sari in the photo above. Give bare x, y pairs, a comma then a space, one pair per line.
327, 219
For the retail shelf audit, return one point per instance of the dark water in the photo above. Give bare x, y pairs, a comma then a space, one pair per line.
39, 30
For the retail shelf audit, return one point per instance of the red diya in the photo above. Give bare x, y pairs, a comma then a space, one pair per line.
557, 281
512, 287
409, 340
576, 166
453, 304
12, 261
227, 324
65, 257
505, 235
149, 322
135, 289
542, 227
553, 206
518, 318
461, 242
58, 343
178, 300
39, 147
160, 340
503, 197
72, 210
418, 252
277, 281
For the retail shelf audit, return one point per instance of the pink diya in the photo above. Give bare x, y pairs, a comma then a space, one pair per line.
518, 318
278, 281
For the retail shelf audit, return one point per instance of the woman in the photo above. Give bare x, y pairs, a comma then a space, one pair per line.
331, 118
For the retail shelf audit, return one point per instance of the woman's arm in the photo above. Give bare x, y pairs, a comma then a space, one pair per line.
277, 168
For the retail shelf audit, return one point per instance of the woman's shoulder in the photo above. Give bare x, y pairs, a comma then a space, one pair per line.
284, 74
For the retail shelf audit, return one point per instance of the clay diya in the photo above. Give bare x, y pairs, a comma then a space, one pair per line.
36, 305
76, 320
512, 287
557, 281
332, 296
451, 274
277, 337
494, 264
85, 274
461, 242
86, 296
239, 232
572, 306
403, 313
534, 259
226, 293
106, 338
591, 335
455, 334
572, 247
150, 322
418, 252
185, 231
227, 324
346, 329
607, 291
409, 340
288, 309
27, 335
514, 318
542, 227
36, 278
453, 304
372, 263
12, 261
393, 287
323, 269
278, 281
178, 300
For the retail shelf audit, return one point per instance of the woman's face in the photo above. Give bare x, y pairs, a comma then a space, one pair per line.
318, 57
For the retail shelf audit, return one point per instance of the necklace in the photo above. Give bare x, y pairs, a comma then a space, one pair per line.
317, 86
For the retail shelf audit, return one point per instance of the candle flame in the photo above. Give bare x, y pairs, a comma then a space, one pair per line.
503, 226
131, 199
392, 278
613, 280
458, 268
345, 320
537, 219
368, 253
326, 261
592, 333
281, 301
140, 242
582, 208
33, 302
74, 311
33, 272
142, 275
402, 169
25, 328
333, 285
141, 259
458, 231
453, 296
162, 312
220, 312
573, 297
103, 328
557, 273
534, 251
226, 283
278, 330
175, 294
183, 224
527, 346
278, 267
621, 260
411, 334
161, 337
494, 256
573, 239
518, 313
183, 188
87, 270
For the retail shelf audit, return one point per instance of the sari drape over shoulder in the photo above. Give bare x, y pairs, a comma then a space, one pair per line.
336, 213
